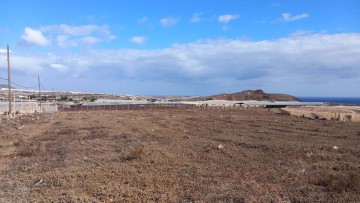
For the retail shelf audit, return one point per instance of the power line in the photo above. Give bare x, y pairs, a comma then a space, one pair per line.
14, 83
23, 86
43, 87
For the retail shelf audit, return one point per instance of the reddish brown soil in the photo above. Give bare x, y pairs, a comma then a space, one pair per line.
174, 156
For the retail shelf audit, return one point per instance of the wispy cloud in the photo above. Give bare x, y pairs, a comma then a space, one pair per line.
298, 60
288, 17
34, 37
81, 30
144, 20
67, 35
227, 18
196, 17
138, 39
169, 21
59, 67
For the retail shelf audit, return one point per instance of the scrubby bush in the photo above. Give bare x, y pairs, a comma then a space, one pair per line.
348, 182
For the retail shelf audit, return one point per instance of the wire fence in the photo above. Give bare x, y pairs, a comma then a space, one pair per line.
154, 107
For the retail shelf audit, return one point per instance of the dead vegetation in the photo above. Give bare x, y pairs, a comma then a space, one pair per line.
340, 182
179, 156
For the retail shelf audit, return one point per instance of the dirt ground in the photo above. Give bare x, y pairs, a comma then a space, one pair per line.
178, 155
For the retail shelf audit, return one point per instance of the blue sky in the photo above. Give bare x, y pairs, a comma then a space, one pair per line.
304, 48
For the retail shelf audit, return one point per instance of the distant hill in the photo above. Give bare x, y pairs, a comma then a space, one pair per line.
258, 95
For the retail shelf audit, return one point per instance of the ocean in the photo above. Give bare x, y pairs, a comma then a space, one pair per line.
334, 100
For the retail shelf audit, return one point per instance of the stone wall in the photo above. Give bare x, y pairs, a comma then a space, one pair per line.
310, 113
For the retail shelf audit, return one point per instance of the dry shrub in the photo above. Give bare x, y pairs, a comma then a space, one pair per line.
130, 151
349, 182
28, 149
96, 134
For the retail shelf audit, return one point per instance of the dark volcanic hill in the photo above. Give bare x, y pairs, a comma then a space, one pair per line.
258, 95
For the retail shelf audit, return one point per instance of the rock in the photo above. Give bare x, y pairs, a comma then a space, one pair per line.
19, 127
302, 170
38, 181
335, 147
309, 154
187, 199
220, 146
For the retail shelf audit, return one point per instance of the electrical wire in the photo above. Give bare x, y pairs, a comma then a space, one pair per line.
16, 84
41, 85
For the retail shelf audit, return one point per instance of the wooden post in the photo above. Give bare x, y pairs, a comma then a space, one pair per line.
9, 78
39, 93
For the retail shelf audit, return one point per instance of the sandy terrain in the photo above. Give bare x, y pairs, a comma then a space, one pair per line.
178, 156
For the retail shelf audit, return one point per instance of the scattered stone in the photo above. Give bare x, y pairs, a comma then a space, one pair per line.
309, 154
187, 199
335, 147
221, 146
19, 127
302, 170
38, 182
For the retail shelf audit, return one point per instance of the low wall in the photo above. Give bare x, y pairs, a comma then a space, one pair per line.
309, 113
28, 107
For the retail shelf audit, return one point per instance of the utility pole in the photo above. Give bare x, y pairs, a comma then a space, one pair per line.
9, 79
39, 92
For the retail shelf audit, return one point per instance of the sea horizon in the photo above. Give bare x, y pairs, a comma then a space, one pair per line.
333, 100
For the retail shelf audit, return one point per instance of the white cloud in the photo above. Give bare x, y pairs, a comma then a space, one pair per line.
308, 63
34, 37
82, 30
63, 41
3, 51
169, 21
288, 17
145, 21
227, 18
89, 40
67, 35
196, 17
59, 67
138, 39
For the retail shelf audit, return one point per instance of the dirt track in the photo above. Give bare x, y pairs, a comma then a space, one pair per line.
174, 156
